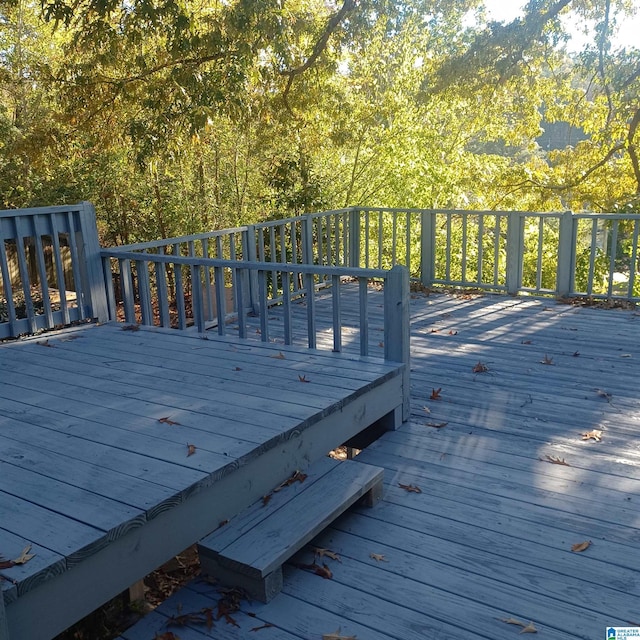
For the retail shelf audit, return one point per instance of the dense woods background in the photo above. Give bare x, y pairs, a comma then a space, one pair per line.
177, 116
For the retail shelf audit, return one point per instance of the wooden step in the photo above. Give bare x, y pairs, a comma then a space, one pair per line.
250, 550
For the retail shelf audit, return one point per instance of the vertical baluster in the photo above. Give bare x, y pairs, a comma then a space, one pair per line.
380, 238
337, 314
480, 245
394, 237
407, 240
447, 268
465, 222
221, 298
162, 291
197, 306
144, 291
497, 229
612, 257
592, 254
363, 315
128, 294
366, 238
286, 307
180, 301
633, 267
38, 232
264, 307
311, 310
59, 266
6, 281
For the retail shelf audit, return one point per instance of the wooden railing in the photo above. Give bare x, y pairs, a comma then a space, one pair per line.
168, 290
49, 269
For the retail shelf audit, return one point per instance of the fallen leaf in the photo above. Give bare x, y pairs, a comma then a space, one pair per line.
237, 368
576, 354
435, 330
45, 343
303, 378
604, 394
70, 338
381, 344
266, 499
25, 556
529, 629
625, 355
556, 460
167, 635
266, 625
411, 488
191, 449
435, 394
6, 564
580, 546
378, 557
513, 621
595, 434
322, 571
223, 523
546, 360
322, 553
336, 636
296, 476
167, 420
480, 368
436, 425
526, 342
280, 356
426, 409
453, 332
131, 327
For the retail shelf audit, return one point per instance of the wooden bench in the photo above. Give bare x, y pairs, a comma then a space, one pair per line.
250, 550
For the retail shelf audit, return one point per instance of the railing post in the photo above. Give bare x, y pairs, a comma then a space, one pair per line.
91, 263
427, 247
515, 241
566, 255
354, 238
307, 240
251, 254
397, 329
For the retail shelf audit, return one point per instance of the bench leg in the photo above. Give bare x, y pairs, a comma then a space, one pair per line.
374, 495
262, 589
136, 591
4, 626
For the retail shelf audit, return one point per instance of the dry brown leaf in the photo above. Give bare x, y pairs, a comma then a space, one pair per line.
167, 420
45, 343
576, 354
378, 557
436, 425
481, 367
381, 344
435, 394
6, 564
426, 409
237, 368
191, 449
578, 547
594, 434
411, 488
24, 556
167, 635
604, 394
453, 332
322, 553
303, 378
296, 476
131, 327
280, 356
556, 460
529, 629
266, 499
526, 342
336, 636
513, 621
546, 360
625, 355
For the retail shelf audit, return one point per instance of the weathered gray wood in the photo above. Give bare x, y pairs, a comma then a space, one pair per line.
4, 629
256, 543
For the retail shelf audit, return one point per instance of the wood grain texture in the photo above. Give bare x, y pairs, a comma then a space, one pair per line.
490, 536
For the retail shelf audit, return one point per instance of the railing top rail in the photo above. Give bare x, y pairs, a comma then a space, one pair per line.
35, 211
245, 264
492, 212
607, 216
155, 244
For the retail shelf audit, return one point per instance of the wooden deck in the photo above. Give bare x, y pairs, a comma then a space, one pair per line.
119, 448
507, 486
